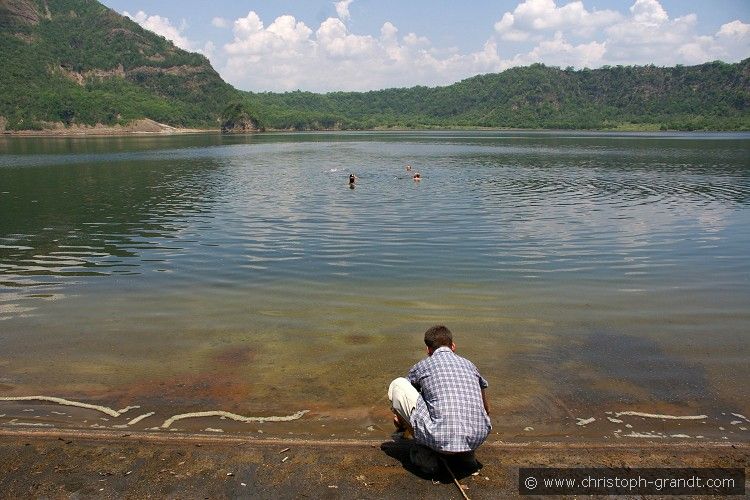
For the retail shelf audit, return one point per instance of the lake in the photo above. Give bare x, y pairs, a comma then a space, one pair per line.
585, 274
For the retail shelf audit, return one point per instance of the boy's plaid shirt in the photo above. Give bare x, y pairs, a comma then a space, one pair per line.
450, 414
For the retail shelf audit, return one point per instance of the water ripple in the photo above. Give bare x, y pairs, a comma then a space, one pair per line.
489, 208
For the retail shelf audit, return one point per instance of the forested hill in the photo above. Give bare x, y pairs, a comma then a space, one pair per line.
713, 96
78, 62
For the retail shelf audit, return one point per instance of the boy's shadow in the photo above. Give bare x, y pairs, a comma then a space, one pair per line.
400, 450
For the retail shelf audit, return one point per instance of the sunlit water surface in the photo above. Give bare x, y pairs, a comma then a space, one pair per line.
582, 273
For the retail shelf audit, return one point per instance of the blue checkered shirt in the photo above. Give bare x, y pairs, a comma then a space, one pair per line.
450, 415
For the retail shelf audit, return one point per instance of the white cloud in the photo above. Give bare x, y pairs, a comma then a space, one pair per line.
560, 52
208, 50
735, 29
650, 36
507, 32
342, 9
734, 40
649, 13
646, 35
697, 51
288, 54
285, 38
163, 26
413, 40
337, 42
291, 31
534, 16
219, 22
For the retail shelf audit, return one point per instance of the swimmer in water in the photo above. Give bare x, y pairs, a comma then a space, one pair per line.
408, 168
352, 179
417, 177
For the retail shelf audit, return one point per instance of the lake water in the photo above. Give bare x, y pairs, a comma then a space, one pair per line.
583, 274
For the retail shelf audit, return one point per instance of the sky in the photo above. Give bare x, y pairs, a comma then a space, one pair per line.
324, 45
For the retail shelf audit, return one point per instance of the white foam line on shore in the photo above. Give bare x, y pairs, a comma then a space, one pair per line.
141, 417
644, 435
30, 424
654, 415
233, 416
65, 402
585, 421
739, 415
614, 420
127, 408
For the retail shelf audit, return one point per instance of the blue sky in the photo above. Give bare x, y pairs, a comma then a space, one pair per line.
367, 44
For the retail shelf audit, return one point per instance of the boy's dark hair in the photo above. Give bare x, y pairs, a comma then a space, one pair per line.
438, 336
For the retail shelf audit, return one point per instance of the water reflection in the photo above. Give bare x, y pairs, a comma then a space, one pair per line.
94, 219
269, 207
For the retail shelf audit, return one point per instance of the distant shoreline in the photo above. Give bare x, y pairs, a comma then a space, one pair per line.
148, 127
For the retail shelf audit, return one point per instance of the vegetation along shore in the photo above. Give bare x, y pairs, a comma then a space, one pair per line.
78, 67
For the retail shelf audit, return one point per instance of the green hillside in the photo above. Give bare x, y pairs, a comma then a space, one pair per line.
710, 96
78, 62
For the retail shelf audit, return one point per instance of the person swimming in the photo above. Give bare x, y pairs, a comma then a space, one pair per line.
417, 177
352, 179
408, 168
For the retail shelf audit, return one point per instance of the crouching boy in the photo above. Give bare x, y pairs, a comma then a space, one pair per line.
442, 403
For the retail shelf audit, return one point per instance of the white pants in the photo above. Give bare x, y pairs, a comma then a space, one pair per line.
403, 398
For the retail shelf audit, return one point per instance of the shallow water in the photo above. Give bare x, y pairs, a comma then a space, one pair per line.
582, 273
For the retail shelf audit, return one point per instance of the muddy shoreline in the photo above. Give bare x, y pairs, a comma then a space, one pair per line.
138, 127
106, 464
313, 420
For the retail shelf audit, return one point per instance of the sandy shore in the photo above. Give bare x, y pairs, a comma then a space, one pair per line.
108, 464
138, 127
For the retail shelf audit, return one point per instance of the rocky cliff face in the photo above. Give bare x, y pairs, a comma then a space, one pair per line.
238, 118
21, 12
84, 57
245, 126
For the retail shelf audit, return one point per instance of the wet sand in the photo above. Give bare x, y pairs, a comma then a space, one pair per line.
109, 464
335, 420
59, 448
